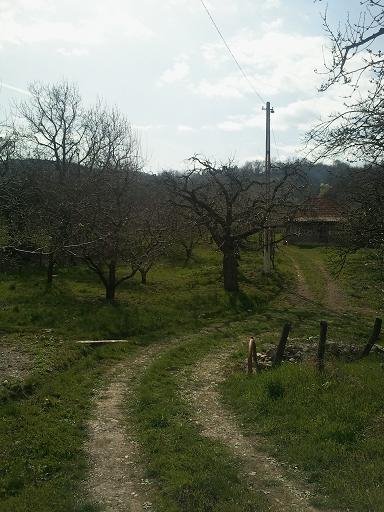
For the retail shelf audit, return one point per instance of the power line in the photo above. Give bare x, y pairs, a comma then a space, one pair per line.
248, 80
231, 52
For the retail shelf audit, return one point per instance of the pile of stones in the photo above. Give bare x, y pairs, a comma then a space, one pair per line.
306, 351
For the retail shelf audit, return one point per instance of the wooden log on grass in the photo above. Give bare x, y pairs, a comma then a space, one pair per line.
101, 342
252, 355
282, 344
374, 337
322, 344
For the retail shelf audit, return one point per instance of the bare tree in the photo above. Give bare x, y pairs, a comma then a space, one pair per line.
71, 147
187, 232
361, 191
230, 204
355, 45
104, 239
51, 122
356, 57
148, 243
356, 132
8, 142
109, 207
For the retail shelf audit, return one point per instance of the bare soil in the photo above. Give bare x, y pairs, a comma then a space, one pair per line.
14, 364
302, 287
117, 480
335, 298
262, 472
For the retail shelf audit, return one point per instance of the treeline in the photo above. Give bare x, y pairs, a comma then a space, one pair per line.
74, 190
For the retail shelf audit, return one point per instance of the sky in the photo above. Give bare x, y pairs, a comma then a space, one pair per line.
164, 66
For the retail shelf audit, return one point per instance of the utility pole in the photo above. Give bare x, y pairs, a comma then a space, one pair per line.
267, 229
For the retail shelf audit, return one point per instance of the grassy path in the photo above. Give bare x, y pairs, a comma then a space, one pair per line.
262, 472
163, 435
194, 473
314, 281
301, 284
200, 454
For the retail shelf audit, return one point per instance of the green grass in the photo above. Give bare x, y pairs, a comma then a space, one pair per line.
176, 298
42, 435
362, 280
41, 440
309, 259
43, 418
330, 426
193, 472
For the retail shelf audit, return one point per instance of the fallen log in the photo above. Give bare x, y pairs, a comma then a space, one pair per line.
100, 342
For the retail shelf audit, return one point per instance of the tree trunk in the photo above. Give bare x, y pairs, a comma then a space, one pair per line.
50, 269
110, 293
188, 254
110, 287
143, 274
231, 283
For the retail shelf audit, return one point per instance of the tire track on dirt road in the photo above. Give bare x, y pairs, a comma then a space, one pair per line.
116, 480
262, 472
334, 297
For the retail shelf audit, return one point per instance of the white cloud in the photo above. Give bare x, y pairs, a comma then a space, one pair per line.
271, 4
73, 52
230, 126
92, 24
148, 127
229, 87
215, 6
13, 88
185, 128
296, 116
178, 72
275, 61
186, 57
272, 25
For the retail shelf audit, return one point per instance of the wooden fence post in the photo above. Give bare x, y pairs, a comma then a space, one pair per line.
322, 342
282, 344
252, 355
374, 337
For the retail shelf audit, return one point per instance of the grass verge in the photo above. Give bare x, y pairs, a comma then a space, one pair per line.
193, 473
42, 438
330, 426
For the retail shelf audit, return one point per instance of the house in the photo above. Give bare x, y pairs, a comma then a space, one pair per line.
318, 221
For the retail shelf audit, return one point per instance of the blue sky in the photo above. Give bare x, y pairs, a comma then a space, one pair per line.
164, 66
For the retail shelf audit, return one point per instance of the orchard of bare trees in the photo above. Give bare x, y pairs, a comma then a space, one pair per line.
74, 192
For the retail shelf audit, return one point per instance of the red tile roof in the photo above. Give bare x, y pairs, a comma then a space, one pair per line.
319, 209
